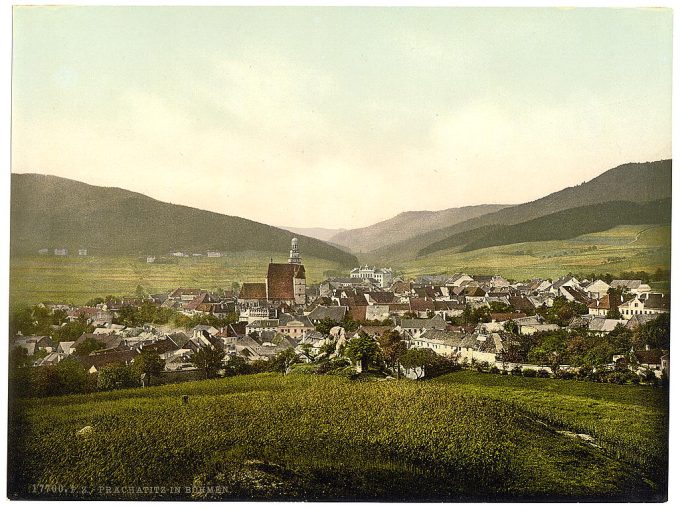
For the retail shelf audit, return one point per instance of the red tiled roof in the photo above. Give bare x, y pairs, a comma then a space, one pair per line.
421, 304
280, 280
253, 291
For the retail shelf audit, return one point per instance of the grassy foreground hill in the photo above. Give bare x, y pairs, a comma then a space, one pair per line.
53, 212
308, 437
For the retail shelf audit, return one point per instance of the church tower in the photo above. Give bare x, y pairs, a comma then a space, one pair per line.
294, 258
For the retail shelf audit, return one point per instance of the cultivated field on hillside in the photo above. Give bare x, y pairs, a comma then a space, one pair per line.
324, 437
623, 248
78, 279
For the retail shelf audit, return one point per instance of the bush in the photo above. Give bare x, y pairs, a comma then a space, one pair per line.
543, 374
516, 371
332, 364
303, 368
564, 374
529, 372
494, 370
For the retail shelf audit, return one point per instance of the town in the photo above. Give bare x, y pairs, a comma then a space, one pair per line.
614, 330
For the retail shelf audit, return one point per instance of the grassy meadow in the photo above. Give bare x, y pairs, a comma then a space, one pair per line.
78, 279
623, 248
464, 436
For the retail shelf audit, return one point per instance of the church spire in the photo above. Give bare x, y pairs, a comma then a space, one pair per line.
294, 258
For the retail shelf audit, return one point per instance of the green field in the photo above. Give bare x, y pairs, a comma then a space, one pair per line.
623, 248
78, 279
464, 436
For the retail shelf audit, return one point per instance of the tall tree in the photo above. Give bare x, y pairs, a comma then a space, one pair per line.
393, 348
208, 359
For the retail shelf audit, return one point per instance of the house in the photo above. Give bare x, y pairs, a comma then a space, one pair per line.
294, 326
458, 280
335, 313
383, 276
417, 326
82, 252
635, 321
108, 341
422, 307
574, 294
554, 288
603, 305
602, 326
97, 360
597, 289
32, 344
656, 360
634, 286
60, 252
444, 343
646, 304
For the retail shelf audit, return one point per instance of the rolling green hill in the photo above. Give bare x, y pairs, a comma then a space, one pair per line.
562, 225
633, 182
53, 212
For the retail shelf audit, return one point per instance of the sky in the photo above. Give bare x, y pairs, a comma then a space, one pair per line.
338, 117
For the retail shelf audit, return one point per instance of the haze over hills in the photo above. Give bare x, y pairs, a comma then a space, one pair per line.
53, 212
320, 233
407, 225
633, 182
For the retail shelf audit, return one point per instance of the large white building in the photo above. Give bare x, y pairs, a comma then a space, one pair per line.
382, 275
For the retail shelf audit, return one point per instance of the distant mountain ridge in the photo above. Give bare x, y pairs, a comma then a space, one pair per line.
632, 182
407, 225
53, 212
320, 233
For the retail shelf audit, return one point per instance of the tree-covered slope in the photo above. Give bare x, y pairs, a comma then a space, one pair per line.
633, 182
562, 225
53, 212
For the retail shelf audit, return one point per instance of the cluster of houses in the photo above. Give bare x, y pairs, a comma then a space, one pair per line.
282, 312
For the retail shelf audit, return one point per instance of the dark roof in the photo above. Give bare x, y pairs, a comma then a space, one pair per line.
520, 303
98, 360
335, 313
578, 295
280, 280
161, 346
253, 291
110, 341
382, 297
417, 304
502, 317
652, 356
658, 301
605, 302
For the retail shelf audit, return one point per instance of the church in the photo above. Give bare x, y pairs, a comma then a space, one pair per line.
286, 282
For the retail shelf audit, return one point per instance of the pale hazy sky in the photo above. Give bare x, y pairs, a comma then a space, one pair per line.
338, 117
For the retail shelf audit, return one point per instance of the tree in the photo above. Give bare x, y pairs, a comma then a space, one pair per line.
655, 333
418, 360
149, 363
87, 346
324, 326
116, 375
511, 327
393, 348
363, 350
284, 360
236, 365
208, 359
72, 377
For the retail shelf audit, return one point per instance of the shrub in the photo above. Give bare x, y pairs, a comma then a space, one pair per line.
494, 370
516, 371
529, 372
543, 373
